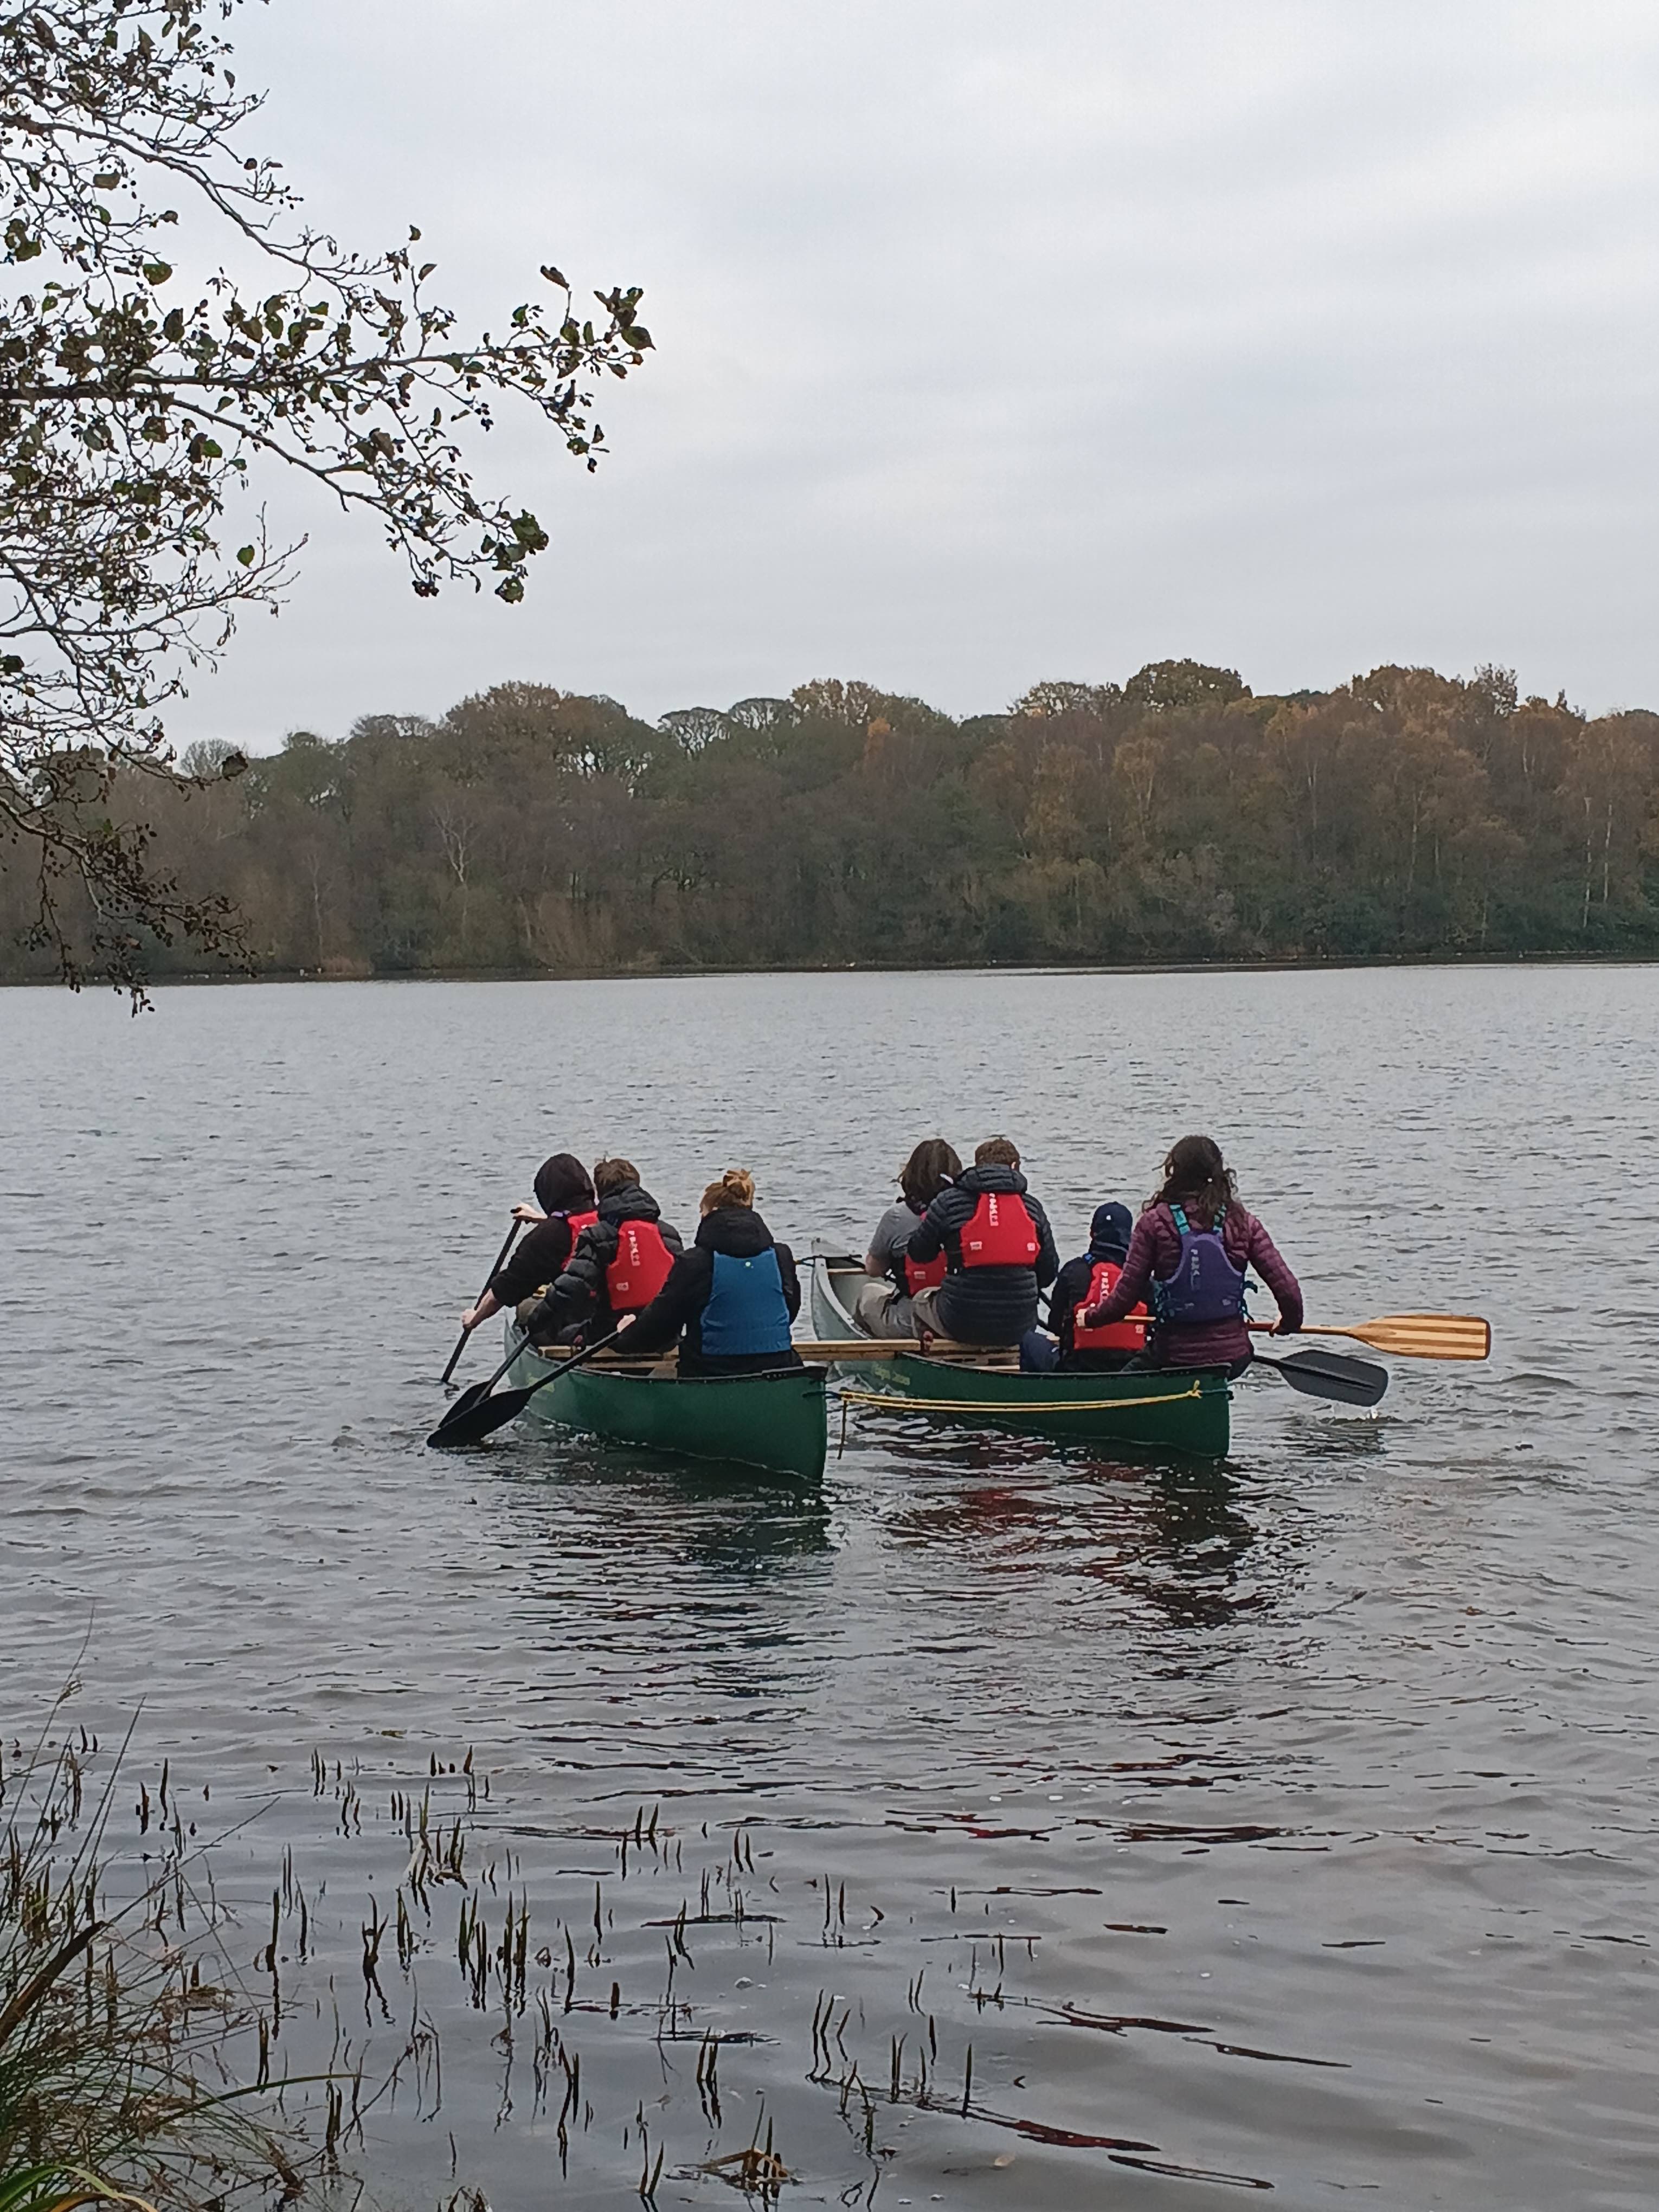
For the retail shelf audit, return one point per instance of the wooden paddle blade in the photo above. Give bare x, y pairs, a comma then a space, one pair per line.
1329, 1375
470, 1424
1420, 1336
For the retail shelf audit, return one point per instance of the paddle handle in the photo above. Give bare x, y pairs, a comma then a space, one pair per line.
461, 1343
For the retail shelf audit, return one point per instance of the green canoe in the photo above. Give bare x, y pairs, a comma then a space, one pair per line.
773, 1422
1182, 1411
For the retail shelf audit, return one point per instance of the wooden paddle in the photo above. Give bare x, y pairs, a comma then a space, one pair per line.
1414, 1336
501, 1261
1321, 1374
472, 1417
847, 1350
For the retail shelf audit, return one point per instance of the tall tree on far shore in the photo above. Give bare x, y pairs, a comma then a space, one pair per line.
139, 403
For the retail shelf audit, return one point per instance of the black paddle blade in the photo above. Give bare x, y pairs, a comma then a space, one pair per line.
1332, 1375
470, 1424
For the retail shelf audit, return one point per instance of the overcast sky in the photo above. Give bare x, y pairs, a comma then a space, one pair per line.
1000, 343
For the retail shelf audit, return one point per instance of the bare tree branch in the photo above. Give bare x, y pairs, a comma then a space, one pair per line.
126, 424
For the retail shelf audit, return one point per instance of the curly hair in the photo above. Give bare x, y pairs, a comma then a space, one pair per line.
1196, 1176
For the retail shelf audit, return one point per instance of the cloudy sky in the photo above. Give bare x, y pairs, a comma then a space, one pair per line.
998, 343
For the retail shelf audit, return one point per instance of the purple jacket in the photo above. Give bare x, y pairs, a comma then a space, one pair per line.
1155, 1252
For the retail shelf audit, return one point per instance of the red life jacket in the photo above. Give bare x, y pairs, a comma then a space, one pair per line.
575, 1223
1001, 1234
914, 1275
1126, 1335
919, 1274
641, 1268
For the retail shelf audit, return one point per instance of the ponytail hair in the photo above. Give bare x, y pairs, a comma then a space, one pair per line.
1196, 1176
735, 1188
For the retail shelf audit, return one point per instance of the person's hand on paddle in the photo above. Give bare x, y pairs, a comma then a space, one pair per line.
531, 1213
471, 1319
1091, 1319
1282, 1328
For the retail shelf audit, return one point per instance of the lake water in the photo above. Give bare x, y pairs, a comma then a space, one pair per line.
1292, 1825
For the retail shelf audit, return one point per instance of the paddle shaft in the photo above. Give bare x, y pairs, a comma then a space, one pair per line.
473, 1417
465, 1335
1355, 1381
1412, 1336
529, 1390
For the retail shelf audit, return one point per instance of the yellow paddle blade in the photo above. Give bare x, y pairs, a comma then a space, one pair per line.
1420, 1336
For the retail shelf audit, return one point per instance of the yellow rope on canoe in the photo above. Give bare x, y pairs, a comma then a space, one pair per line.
893, 1401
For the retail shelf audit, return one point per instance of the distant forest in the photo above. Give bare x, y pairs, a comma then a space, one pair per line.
1174, 817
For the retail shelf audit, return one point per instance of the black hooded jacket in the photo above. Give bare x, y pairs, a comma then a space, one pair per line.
562, 1189
580, 1293
984, 1305
676, 1312
536, 1261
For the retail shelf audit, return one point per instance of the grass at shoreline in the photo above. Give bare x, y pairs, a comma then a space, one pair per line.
116, 2019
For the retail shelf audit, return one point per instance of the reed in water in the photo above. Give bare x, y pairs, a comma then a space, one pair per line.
112, 2036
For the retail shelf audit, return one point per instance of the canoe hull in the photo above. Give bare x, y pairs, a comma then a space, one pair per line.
775, 1422
1182, 1411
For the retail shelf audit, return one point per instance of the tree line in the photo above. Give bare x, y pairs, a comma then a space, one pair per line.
1176, 817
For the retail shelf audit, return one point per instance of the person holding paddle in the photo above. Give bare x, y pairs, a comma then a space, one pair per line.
564, 1207
620, 1263
1067, 1346
730, 1300
1188, 1258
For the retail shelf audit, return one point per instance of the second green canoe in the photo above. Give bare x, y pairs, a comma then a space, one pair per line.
1181, 1410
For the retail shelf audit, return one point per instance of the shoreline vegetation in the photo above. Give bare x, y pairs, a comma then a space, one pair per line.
1176, 820
122, 2018
1335, 964
287, 2032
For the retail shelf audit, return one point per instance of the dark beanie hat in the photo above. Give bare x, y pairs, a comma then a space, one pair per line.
1110, 1230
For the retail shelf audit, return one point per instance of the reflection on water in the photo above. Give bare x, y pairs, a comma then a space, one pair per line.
1158, 1829
1173, 1538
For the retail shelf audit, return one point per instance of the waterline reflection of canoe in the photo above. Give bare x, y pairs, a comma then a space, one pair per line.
773, 1422
1184, 1411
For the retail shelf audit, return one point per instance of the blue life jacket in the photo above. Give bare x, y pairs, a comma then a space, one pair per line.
1206, 1285
746, 1313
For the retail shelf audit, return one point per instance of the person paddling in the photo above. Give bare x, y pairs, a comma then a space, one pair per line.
564, 1206
999, 1252
883, 1304
729, 1300
1188, 1255
620, 1261
1072, 1346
